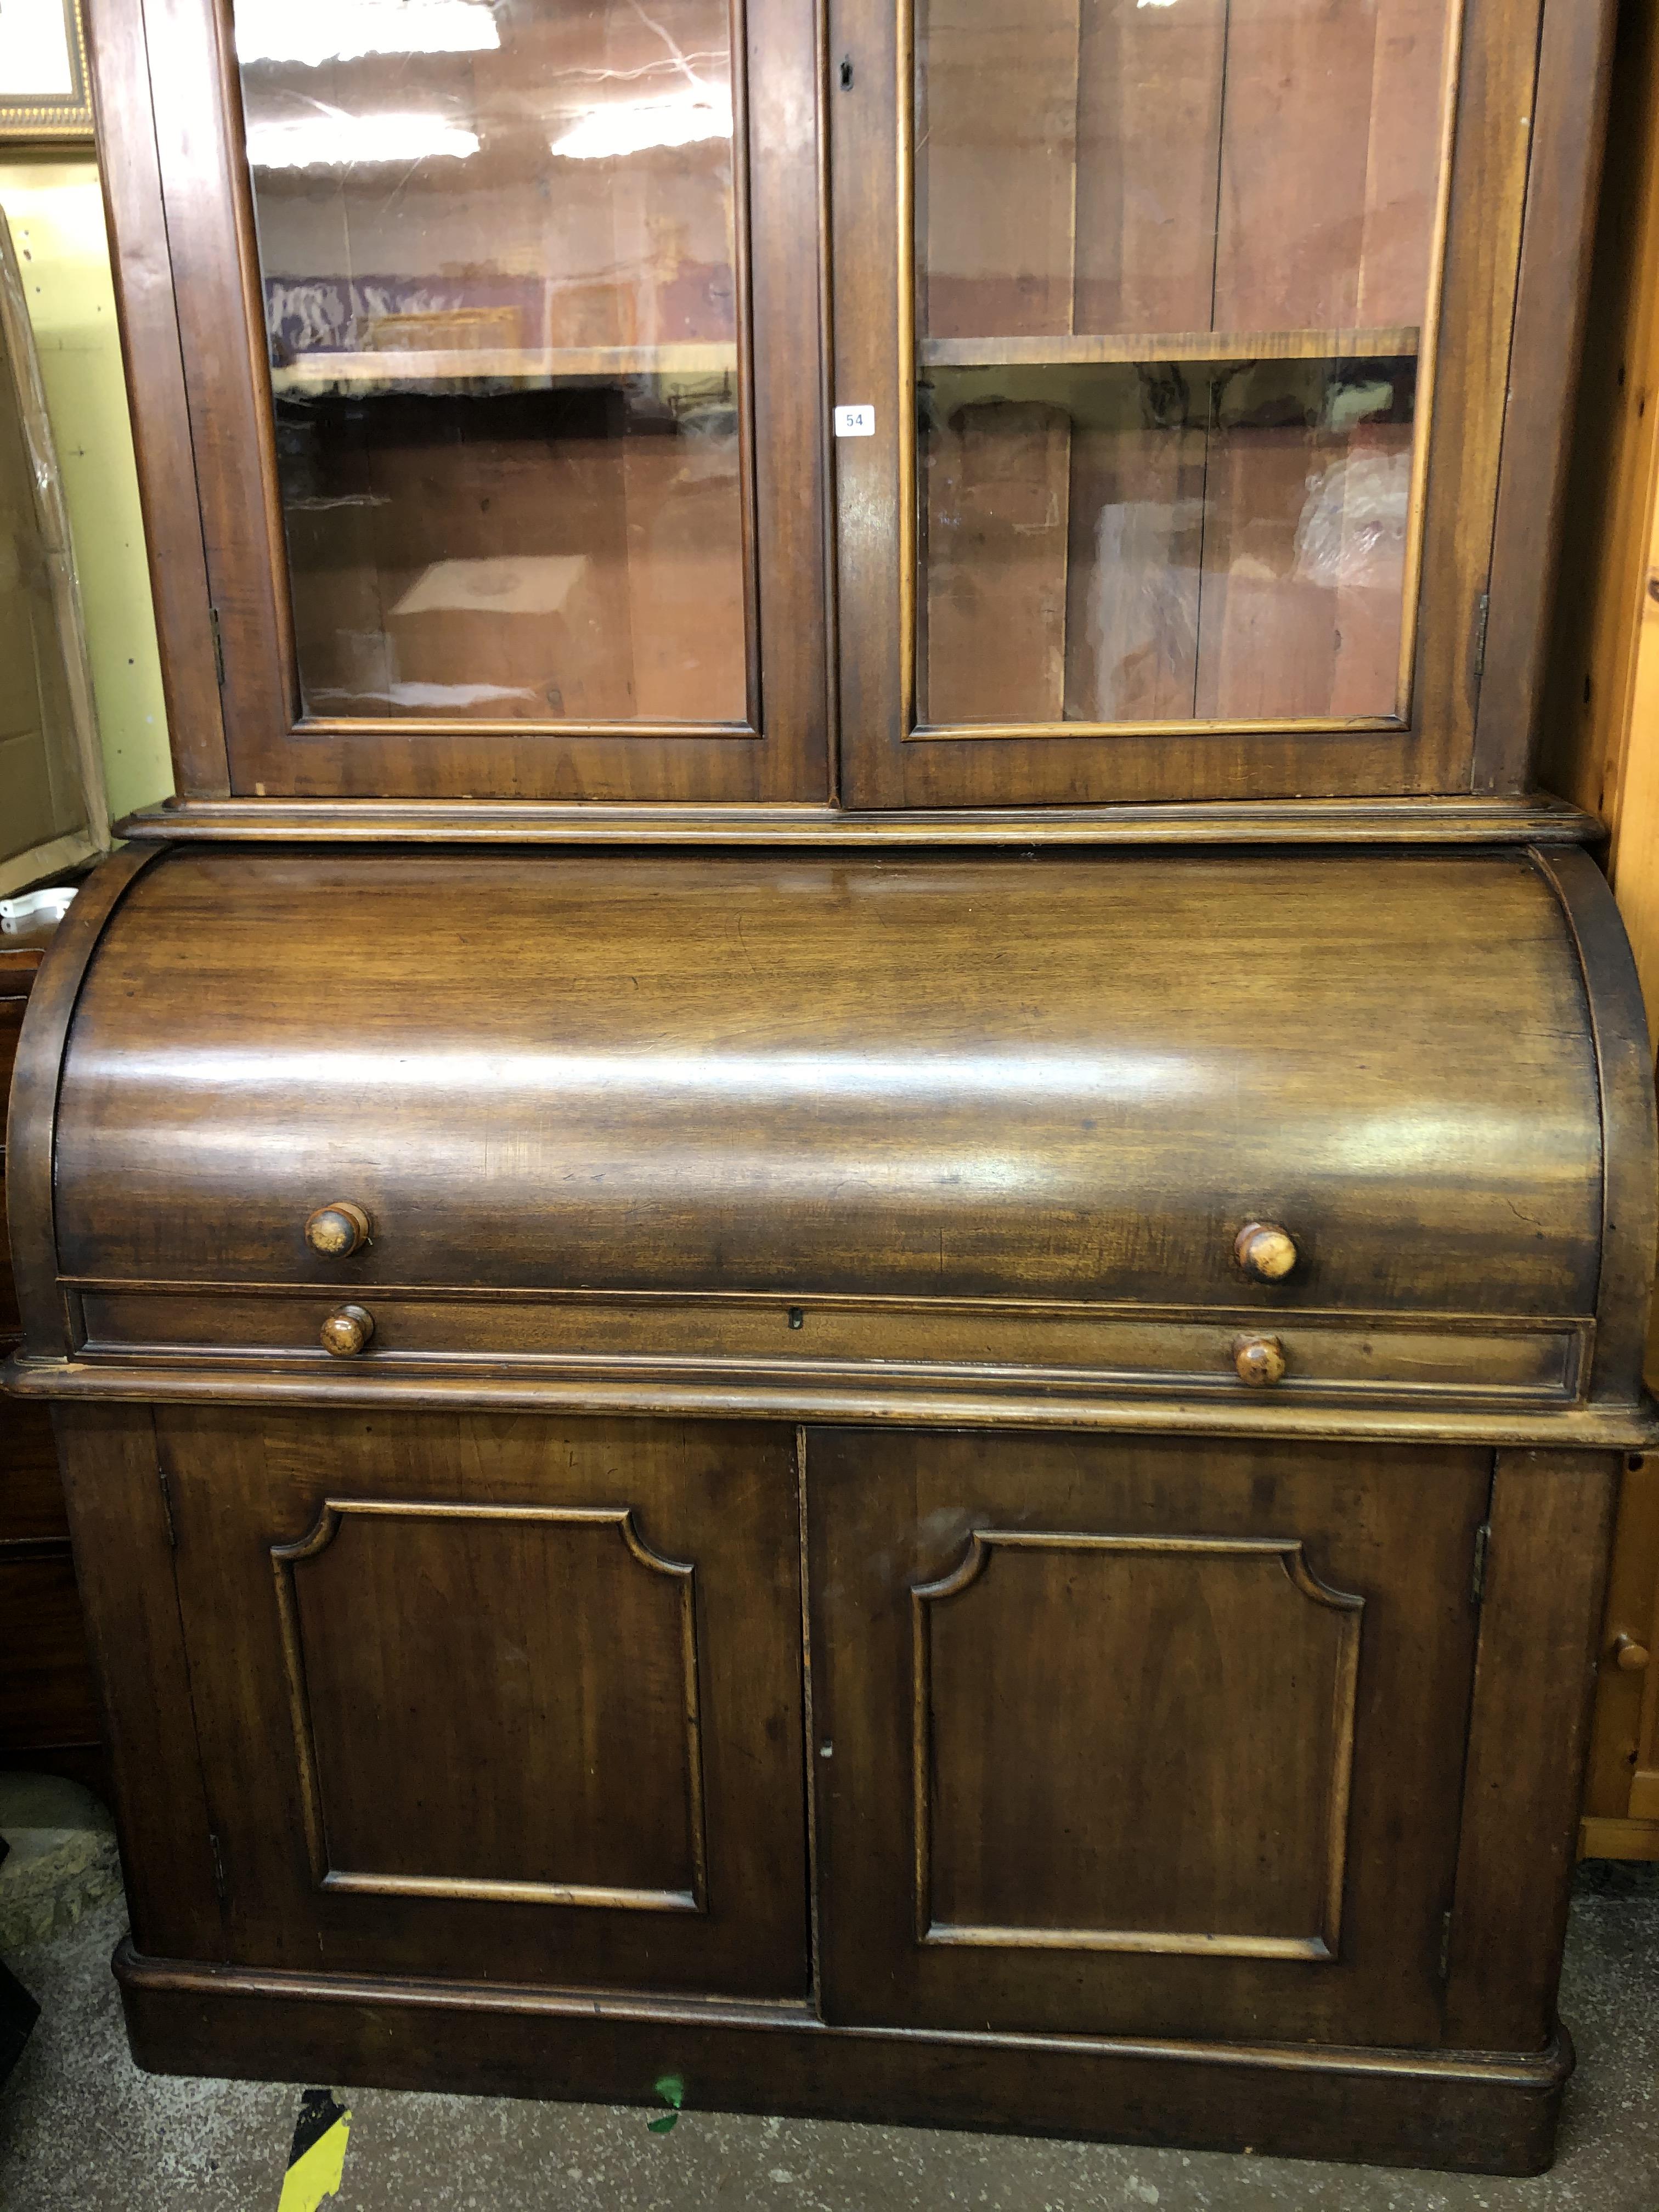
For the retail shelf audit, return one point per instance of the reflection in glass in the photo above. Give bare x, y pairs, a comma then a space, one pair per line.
497, 244
1174, 263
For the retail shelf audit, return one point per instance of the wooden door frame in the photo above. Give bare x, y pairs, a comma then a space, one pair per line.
1486, 529
180, 211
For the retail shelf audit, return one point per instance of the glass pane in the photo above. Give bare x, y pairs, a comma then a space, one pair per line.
1174, 263
496, 242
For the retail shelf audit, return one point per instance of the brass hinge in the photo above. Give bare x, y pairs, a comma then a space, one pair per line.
218, 648
167, 1508
1478, 658
218, 1865
1482, 1552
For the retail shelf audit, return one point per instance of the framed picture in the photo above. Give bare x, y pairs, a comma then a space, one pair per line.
43, 92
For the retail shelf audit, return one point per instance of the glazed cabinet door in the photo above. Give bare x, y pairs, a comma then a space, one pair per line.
1181, 353
1140, 1737
498, 1695
500, 361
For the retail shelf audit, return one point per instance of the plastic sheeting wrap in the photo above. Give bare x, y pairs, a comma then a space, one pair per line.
52, 785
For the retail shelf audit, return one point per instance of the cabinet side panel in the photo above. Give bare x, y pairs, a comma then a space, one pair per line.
223, 374
1498, 85
31, 1125
1569, 128
1630, 1173
1551, 1519
123, 1562
155, 387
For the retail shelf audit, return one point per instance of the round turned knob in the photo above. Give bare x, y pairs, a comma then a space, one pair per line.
1259, 1360
1265, 1250
1631, 1657
347, 1331
338, 1230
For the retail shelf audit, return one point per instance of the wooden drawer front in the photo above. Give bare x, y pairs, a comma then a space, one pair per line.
826, 1340
499, 1691
1139, 1738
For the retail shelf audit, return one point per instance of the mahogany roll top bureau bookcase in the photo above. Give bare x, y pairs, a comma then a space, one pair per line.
842, 1249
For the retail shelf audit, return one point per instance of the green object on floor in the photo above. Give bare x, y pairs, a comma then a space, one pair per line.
672, 2090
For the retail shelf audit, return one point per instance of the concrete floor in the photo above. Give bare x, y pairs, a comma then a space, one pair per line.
82, 2131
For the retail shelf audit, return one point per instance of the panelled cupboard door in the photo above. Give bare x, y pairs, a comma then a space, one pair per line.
1181, 353
1141, 1737
501, 353
494, 1689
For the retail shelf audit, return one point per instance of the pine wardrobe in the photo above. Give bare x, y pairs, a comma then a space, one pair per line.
842, 1247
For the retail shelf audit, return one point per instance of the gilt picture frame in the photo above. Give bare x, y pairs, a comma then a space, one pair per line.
45, 93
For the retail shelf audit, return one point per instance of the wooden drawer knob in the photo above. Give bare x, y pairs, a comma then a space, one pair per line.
347, 1331
1259, 1360
1631, 1657
1265, 1250
338, 1230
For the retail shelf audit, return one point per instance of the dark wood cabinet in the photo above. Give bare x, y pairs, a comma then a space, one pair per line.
1192, 438
517, 1690
842, 1249
1138, 1737
847, 1475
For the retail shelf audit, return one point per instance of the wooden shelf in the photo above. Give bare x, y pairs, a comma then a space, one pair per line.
522, 365
532, 365
1392, 342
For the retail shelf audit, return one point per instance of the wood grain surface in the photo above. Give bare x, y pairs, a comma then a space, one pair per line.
1051, 1078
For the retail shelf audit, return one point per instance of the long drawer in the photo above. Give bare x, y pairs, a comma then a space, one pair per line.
1321, 1355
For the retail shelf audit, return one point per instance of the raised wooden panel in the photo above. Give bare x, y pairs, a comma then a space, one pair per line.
567, 1691
523, 1693
1247, 1665
1084, 1709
